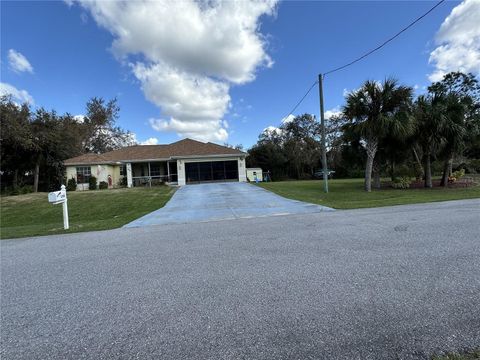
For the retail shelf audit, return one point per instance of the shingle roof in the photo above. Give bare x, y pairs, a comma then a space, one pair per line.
179, 149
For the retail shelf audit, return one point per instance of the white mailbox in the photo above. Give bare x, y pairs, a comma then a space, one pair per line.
60, 197
57, 197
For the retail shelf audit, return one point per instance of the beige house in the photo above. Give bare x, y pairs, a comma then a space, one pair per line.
183, 162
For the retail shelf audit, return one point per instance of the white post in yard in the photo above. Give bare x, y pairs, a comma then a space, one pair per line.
65, 209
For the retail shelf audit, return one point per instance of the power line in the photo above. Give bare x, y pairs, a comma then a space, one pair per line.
367, 54
386, 41
303, 98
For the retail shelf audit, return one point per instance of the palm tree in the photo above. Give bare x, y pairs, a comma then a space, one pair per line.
375, 111
453, 132
430, 112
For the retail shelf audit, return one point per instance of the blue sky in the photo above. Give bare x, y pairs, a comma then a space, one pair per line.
243, 71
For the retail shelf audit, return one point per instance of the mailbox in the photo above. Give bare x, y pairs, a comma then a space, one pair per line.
57, 197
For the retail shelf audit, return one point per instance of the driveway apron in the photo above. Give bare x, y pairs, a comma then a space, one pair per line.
223, 201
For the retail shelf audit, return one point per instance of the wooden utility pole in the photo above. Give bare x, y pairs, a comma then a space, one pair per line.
324, 147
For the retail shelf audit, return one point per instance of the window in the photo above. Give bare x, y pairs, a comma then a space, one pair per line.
155, 170
123, 170
83, 174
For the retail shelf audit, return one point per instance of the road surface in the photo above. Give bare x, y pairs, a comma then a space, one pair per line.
388, 283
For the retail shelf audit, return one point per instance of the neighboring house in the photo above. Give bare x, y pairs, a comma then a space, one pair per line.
183, 162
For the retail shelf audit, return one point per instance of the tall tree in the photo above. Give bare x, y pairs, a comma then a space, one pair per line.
461, 94
301, 143
429, 119
101, 134
376, 110
16, 139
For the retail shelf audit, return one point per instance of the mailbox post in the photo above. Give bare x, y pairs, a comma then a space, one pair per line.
60, 197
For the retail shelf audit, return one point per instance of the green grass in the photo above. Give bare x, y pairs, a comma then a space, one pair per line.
349, 193
454, 356
32, 214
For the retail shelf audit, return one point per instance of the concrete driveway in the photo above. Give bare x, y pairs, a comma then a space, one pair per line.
223, 201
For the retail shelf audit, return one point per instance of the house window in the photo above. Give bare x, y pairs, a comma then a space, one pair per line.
123, 170
83, 174
155, 170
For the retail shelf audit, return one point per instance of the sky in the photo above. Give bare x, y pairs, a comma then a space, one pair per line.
222, 71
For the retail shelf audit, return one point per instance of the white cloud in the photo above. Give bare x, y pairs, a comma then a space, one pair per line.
332, 112
191, 53
288, 119
79, 118
195, 105
150, 141
18, 62
458, 42
272, 130
17, 95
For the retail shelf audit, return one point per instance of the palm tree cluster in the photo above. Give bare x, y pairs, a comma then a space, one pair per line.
392, 127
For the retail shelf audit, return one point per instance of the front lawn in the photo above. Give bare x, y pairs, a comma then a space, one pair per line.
349, 193
474, 355
32, 214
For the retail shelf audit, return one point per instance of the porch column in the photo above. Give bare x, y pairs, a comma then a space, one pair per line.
149, 175
168, 172
181, 172
242, 171
129, 175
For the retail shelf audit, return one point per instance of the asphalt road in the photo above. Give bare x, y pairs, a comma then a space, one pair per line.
388, 283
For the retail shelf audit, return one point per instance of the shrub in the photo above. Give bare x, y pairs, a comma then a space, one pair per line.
401, 182
458, 174
474, 165
405, 171
123, 182
25, 189
103, 185
92, 183
71, 184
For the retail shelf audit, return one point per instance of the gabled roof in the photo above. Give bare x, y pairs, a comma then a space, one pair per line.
180, 149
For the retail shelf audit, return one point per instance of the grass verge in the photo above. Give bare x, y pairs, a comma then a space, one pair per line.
454, 356
32, 214
349, 193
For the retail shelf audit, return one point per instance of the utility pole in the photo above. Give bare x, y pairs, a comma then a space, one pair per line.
324, 147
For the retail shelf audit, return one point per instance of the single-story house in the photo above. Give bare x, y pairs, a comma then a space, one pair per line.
183, 162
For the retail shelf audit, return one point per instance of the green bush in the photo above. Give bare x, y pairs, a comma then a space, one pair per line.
458, 174
122, 182
71, 184
103, 185
92, 183
401, 182
404, 171
26, 189
474, 166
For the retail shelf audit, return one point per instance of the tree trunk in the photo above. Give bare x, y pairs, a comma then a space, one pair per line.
15, 179
428, 171
392, 170
419, 163
371, 148
376, 175
36, 176
447, 166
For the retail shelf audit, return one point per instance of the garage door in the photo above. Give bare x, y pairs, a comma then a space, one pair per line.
211, 171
